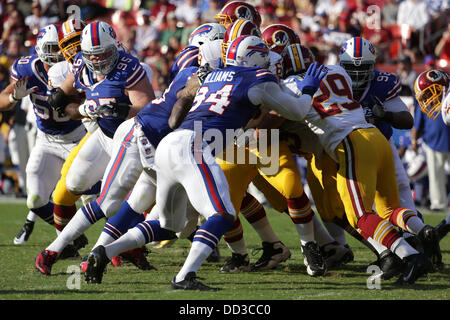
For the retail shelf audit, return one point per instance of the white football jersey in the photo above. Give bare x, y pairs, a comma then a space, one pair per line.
334, 113
58, 73
445, 111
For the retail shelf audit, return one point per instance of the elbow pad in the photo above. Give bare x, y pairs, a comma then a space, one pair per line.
58, 100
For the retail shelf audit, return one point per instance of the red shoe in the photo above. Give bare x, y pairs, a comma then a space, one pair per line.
116, 261
138, 258
84, 264
45, 260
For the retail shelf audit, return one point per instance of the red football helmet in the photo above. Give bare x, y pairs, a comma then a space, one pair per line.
430, 87
279, 36
296, 59
240, 27
70, 38
238, 10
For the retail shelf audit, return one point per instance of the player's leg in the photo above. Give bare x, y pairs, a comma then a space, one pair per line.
92, 157
361, 156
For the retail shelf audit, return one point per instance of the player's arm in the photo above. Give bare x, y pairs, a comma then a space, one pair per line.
395, 112
140, 95
14, 92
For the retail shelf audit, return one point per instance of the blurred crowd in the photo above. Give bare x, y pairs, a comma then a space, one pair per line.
409, 35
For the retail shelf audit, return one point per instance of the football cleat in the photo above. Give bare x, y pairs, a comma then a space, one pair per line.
69, 252
45, 260
314, 262
190, 283
336, 255
214, 256
84, 264
117, 261
430, 240
81, 242
237, 263
390, 264
442, 229
97, 261
416, 265
273, 254
24, 233
138, 258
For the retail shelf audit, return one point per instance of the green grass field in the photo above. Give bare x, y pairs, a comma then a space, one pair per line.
20, 280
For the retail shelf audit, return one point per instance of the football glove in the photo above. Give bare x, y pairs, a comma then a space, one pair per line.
203, 71
312, 79
115, 110
58, 100
20, 89
379, 110
88, 111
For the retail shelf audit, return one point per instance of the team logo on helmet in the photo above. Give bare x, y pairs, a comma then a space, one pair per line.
242, 12
371, 48
434, 75
280, 38
260, 48
343, 48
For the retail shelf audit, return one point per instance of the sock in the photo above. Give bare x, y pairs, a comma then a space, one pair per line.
205, 240
402, 248
31, 216
321, 235
124, 219
238, 246
235, 233
62, 215
45, 213
407, 220
301, 214
134, 238
255, 214
382, 231
376, 245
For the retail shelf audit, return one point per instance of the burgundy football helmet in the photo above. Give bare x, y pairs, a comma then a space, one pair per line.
430, 87
279, 36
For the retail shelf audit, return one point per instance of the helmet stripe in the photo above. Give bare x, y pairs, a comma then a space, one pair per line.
233, 50
236, 29
357, 47
95, 34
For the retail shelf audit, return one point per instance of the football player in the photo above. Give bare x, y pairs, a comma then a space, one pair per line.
235, 10
57, 134
219, 104
188, 57
377, 92
363, 167
116, 88
432, 91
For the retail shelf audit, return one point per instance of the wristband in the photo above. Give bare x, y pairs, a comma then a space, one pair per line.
12, 99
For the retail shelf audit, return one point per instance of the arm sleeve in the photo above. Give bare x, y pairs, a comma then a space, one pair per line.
289, 106
395, 105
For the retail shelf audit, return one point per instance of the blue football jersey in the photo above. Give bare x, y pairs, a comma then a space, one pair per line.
188, 57
125, 75
154, 117
222, 102
48, 120
384, 86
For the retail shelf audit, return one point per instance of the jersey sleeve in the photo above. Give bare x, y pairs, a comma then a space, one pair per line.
18, 68
135, 73
445, 111
263, 75
393, 87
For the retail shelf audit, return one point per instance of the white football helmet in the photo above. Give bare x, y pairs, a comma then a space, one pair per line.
99, 47
357, 57
206, 32
47, 45
248, 51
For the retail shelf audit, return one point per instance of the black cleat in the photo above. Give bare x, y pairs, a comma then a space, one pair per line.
190, 283
416, 265
237, 263
336, 255
81, 242
97, 261
24, 233
442, 229
70, 252
314, 262
273, 254
390, 264
214, 256
430, 240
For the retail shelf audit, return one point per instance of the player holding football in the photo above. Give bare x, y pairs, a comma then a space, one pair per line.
432, 90
116, 88
57, 134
